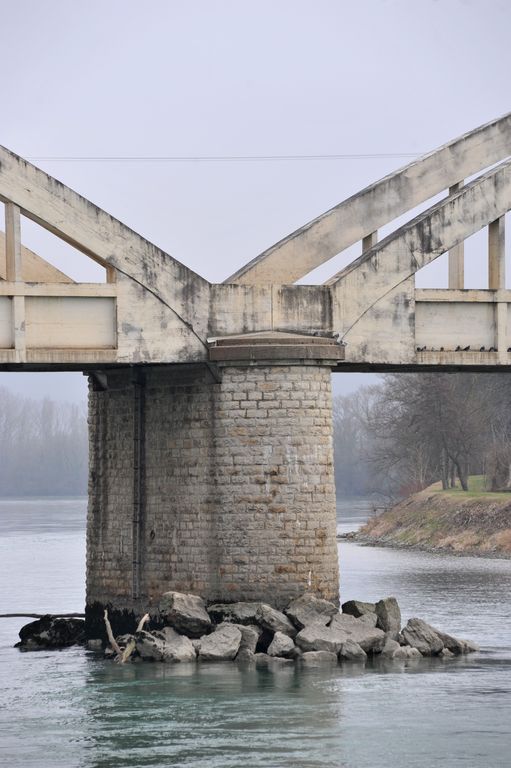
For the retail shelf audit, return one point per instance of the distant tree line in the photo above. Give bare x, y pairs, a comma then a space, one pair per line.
411, 430
43, 447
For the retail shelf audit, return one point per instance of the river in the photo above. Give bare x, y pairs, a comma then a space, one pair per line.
70, 708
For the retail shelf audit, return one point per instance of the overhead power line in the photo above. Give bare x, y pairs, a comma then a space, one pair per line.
216, 158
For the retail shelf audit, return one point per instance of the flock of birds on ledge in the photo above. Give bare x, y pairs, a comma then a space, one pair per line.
461, 349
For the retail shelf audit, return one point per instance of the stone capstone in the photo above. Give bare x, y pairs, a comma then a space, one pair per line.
186, 613
389, 616
274, 621
49, 632
281, 645
308, 609
358, 608
221, 645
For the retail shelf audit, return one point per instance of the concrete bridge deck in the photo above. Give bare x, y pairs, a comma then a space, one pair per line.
152, 309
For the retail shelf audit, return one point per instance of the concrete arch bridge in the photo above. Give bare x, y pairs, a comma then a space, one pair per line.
210, 405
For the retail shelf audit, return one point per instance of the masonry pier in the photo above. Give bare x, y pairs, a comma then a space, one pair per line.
211, 479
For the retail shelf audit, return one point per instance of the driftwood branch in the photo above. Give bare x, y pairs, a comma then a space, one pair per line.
111, 638
131, 645
42, 615
123, 656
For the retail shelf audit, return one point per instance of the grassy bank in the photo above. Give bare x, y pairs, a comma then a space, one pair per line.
470, 522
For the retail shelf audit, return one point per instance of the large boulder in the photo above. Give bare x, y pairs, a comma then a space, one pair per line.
235, 613
358, 608
282, 645
422, 636
360, 630
317, 637
245, 656
351, 651
390, 648
308, 609
50, 632
455, 645
186, 613
221, 645
274, 621
164, 645
250, 635
150, 645
178, 648
389, 616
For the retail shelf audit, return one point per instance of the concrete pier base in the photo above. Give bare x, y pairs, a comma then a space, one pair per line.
219, 485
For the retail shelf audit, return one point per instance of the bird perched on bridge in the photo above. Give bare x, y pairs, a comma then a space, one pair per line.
482, 349
492, 349
421, 349
466, 349
458, 348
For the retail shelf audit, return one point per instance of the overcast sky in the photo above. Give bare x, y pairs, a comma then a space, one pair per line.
210, 78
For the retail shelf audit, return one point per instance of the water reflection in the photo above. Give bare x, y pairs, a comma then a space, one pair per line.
215, 715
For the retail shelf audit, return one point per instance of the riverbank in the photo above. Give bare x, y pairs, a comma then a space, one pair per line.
476, 522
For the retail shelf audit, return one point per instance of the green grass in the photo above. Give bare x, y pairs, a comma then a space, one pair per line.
476, 487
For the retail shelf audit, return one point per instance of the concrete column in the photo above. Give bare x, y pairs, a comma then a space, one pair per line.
497, 282
456, 255
238, 494
369, 240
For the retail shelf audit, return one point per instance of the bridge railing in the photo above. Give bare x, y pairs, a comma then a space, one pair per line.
42, 320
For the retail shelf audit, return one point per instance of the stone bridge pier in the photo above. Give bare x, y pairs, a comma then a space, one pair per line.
215, 479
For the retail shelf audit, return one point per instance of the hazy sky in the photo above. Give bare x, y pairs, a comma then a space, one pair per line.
228, 78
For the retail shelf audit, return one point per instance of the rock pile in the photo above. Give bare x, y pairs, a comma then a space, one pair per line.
51, 632
310, 630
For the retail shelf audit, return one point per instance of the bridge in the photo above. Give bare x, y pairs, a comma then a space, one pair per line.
210, 403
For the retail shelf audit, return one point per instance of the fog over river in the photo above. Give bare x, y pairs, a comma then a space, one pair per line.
70, 708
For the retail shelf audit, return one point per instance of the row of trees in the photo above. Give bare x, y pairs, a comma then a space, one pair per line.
415, 429
43, 447
393, 438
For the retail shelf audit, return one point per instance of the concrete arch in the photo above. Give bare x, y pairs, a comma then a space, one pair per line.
83, 225
157, 311
400, 255
362, 214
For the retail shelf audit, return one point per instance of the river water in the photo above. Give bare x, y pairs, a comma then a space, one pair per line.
70, 708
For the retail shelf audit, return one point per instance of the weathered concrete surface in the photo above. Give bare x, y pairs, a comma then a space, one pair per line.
155, 310
362, 214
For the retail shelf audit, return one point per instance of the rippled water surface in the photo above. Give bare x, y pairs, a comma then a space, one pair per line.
70, 708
